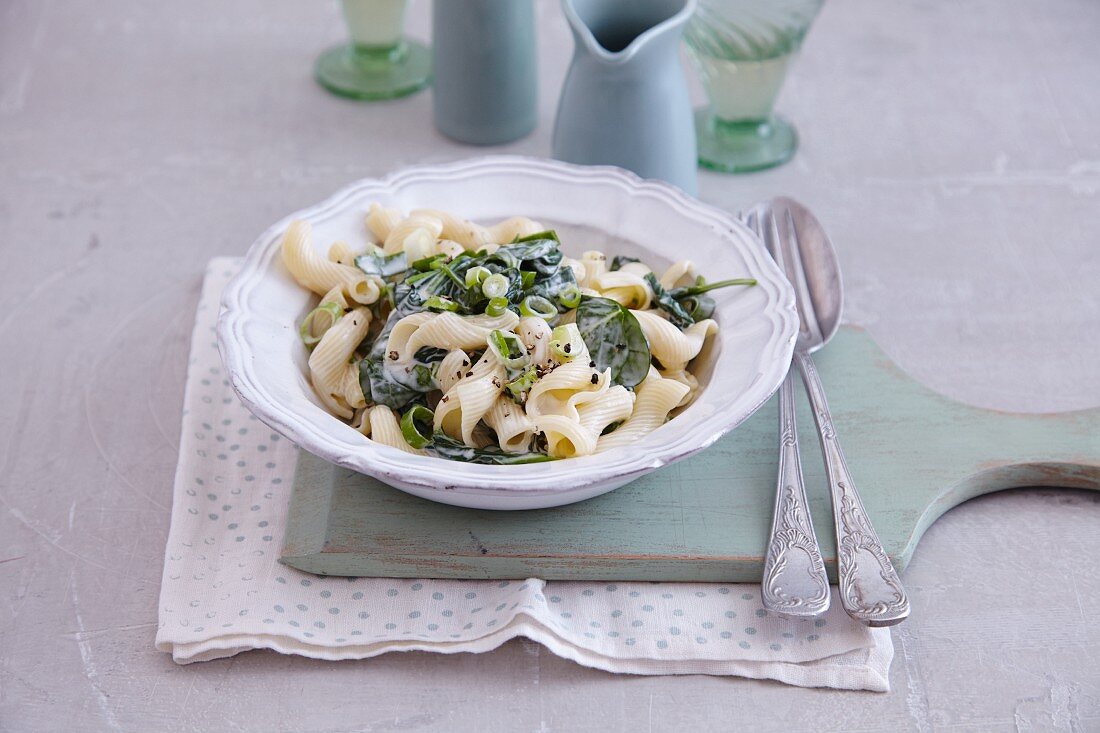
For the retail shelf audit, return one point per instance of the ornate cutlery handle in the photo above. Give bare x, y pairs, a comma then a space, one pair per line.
870, 589
794, 582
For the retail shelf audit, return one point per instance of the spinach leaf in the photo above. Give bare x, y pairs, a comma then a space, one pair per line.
541, 255
397, 387
379, 384
548, 264
676, 313
533, 267
530, 249
445, 446
620, 260
699, 307
448, 281
615, 340
379, 387
376, 262
429, 354
551, 285
407, 299
515, 288
701, 287
531, 264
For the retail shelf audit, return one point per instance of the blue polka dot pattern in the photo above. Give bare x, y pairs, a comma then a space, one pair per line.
222, 576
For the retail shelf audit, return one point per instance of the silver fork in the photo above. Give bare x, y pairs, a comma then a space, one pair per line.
869, 587
794, 583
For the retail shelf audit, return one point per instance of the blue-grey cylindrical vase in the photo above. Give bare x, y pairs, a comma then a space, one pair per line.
485, 77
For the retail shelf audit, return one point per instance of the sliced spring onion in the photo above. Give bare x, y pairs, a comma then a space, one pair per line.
528, 278
425, 264
566, 342
536, 305
387, 297
496, 307
425, 375
508, 348
475, 276
495, 286
414, 279
409, 430
319, 320
537, 237
440, 303
521, 385
569, 297
450, 273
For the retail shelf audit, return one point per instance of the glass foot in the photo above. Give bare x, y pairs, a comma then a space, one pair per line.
358, 72
742, 147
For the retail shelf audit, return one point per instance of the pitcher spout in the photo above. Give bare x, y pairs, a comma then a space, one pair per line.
615, 31
625, 100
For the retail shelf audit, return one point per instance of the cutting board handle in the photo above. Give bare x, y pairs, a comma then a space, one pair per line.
1046, 439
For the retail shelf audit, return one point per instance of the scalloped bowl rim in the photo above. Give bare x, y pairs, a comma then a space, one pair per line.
517, 486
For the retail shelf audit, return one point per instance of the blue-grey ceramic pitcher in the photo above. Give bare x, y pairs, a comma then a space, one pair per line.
625, 100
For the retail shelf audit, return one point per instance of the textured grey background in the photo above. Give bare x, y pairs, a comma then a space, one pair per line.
949, 147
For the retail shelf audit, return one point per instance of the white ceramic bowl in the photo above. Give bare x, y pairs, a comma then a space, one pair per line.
592, 208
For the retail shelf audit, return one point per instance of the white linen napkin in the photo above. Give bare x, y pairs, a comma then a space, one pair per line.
223, 591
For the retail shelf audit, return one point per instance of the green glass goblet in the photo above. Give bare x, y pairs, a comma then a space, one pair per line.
742, 50
379, 62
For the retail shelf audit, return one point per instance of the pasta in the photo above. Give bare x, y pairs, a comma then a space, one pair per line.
412, 228
486, 344
625, 288
567, 436
474, 236
452, 368
470, 399
382, 427
686, 378
669, 345
444, 330
677, 272
514, 430
536, 335
656, 397
381, 221
320, 274
335, 378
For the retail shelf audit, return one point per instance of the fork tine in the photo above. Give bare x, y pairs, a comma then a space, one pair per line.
749, 218
791, 263
774, 242
795, 245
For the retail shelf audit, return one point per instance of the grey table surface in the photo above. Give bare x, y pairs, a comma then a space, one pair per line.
950, 148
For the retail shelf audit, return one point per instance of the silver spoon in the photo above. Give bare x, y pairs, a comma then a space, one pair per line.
870, 589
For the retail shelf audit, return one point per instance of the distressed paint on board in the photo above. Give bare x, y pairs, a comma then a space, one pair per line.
914, 454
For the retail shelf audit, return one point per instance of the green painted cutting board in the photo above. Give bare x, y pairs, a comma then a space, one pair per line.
914, 454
